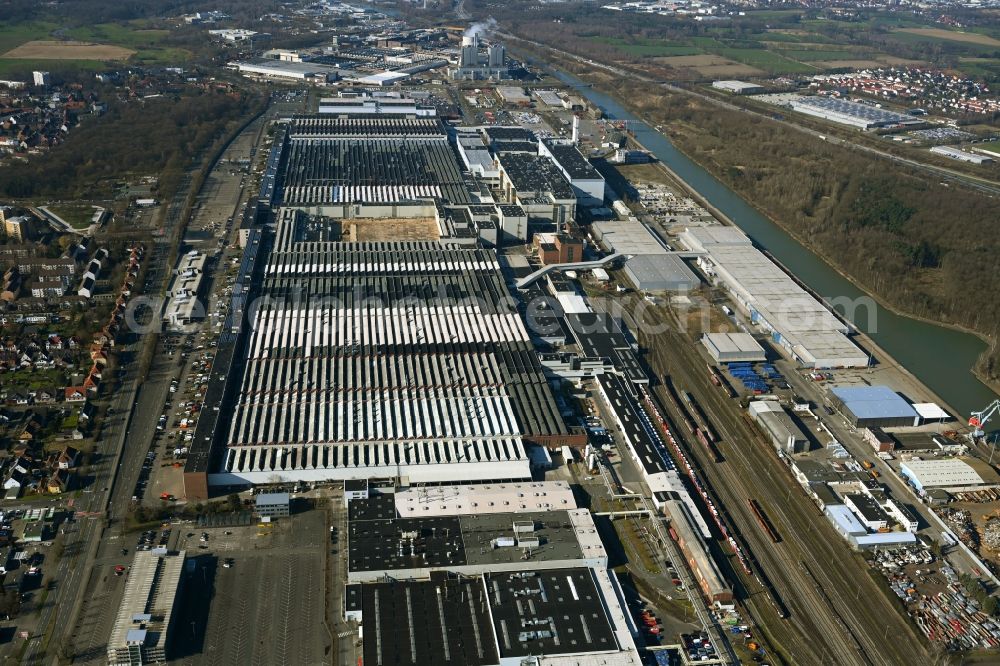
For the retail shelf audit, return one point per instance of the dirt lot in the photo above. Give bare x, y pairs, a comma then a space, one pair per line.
981, 512
709, 65
968, 37
390, 229
53, 50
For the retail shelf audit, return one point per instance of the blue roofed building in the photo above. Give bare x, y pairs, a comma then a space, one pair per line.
873, 406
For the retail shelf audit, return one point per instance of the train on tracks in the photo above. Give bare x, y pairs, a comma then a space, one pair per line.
764, 521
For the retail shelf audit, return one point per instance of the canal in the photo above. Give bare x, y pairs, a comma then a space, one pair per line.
942, 358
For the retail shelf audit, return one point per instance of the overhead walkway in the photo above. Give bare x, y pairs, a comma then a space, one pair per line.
528, 280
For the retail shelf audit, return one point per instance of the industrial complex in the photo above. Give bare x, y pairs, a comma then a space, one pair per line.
450, 371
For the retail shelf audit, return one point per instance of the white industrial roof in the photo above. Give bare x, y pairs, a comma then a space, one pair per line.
886, 539
846, 519
942, 473
931, 411
573, 303
382, 78
628, 237
150, 590
700, 238
476, 499
806, 326
658, 271
734, 342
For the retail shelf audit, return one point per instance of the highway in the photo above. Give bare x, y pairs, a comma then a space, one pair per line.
981, 184
838, 613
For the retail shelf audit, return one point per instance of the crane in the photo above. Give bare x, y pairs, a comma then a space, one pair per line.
979, 419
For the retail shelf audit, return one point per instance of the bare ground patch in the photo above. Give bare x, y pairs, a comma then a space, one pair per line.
58, 50
940, 33
361, 230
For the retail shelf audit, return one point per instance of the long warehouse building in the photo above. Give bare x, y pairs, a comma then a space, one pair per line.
800, 324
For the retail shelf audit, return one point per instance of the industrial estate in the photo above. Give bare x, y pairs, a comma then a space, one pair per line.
445, 366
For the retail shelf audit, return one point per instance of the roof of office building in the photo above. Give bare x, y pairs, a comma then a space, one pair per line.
272, 498
866, 506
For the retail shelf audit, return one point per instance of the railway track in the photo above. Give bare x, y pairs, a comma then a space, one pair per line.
837, 612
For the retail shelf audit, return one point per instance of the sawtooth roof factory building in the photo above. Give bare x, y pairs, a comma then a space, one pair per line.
384, 341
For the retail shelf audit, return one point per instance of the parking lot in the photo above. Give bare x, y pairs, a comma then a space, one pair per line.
267, 607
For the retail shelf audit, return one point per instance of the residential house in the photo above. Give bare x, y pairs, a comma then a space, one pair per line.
76, 394
58, 481
68, 458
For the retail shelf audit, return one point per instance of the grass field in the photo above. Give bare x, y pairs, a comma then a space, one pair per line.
809, 55
31, 45
647, 47
768, 61
77, 215
797, 42
149, 44
44, 49
12, 36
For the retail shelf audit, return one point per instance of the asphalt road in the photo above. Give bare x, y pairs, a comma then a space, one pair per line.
82, 537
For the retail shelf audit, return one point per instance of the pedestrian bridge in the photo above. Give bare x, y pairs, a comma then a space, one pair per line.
530, 279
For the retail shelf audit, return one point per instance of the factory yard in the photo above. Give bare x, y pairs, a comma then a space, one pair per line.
936, 600
58, 50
